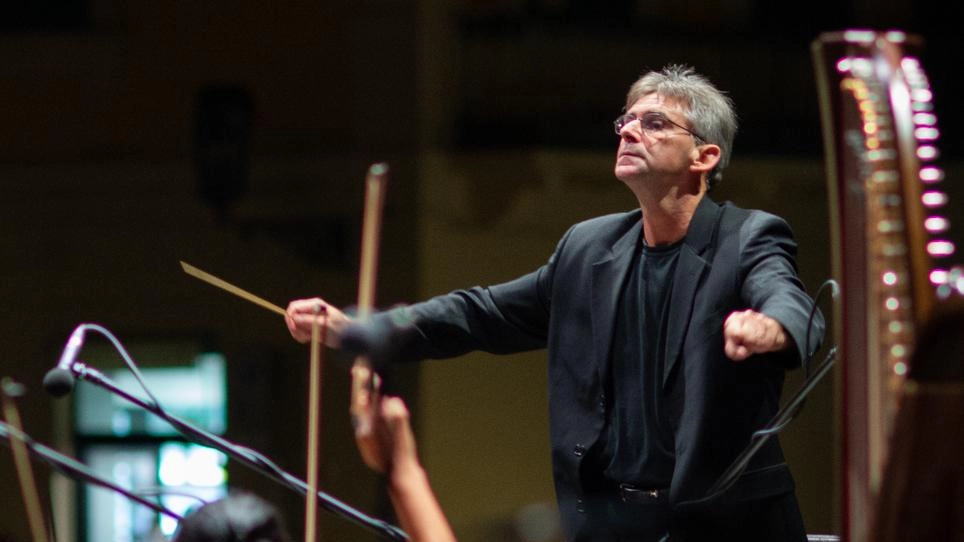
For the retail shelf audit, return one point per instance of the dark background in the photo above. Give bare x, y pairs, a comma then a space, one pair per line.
235, 135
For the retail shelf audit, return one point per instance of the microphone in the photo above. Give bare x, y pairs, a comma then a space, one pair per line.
71, 367
59, 381
243, 455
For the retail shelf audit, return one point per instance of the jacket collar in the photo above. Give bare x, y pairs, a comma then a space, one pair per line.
694, 261
612, 271
701, 230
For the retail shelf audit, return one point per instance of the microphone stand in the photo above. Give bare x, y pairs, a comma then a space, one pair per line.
75, 469
779, 421
245, 456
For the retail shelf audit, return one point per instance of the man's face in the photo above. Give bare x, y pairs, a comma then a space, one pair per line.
651, 148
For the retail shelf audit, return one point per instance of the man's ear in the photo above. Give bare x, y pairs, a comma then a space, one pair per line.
706, 157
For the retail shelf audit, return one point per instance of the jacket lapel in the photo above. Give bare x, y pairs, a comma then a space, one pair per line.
694, 261
608, 277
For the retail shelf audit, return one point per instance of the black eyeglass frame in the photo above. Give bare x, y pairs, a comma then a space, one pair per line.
624, 119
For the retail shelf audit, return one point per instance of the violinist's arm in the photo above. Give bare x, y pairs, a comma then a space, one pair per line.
383, 433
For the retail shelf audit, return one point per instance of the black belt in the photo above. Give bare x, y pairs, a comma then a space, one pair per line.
629, 493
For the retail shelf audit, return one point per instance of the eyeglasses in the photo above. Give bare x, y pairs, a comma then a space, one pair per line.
653, 123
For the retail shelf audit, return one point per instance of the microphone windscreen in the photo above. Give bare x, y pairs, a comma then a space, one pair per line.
58, 382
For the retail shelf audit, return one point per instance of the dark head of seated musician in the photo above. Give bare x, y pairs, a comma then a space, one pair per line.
669, 328
239, 517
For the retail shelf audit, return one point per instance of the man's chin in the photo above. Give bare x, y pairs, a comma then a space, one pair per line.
626, 173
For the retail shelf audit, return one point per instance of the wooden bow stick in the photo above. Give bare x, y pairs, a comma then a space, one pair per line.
371, 232
319, 328
371, 229
375, 182
28, 487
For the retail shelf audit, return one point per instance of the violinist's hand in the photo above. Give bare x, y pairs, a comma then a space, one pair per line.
383, 431
749, 332
301, 313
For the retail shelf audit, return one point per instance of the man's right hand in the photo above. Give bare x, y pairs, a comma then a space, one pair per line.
302, 312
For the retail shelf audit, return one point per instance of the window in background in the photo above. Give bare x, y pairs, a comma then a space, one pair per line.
139, 451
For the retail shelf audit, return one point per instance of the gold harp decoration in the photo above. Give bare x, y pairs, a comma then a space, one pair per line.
879, 132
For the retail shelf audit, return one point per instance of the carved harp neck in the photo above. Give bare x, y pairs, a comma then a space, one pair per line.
880, 135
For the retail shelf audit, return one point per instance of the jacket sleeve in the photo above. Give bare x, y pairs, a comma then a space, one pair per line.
771, 285
500, 319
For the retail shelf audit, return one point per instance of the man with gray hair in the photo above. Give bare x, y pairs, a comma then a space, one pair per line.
669, 329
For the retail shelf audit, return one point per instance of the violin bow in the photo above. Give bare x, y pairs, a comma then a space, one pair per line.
375, 182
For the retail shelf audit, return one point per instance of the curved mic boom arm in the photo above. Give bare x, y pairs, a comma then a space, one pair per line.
75, 469
243, 455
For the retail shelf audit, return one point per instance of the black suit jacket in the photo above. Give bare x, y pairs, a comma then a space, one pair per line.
731, 259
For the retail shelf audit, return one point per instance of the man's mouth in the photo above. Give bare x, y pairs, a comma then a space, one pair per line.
630, 154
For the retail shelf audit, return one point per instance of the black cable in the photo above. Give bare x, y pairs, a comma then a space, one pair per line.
786, 414
159, 410
75, 469
834, 292
163, 492
246, 455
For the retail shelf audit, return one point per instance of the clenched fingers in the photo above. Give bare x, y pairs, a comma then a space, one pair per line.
749, 332
301, 313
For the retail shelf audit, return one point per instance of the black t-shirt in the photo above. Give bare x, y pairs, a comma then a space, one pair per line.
637, 444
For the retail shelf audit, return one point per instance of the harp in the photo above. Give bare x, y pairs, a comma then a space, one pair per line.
888, 237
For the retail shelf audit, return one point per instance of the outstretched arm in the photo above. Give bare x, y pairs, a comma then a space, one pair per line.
778, 319
383, 433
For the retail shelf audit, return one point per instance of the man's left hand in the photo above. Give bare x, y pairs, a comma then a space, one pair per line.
749, 332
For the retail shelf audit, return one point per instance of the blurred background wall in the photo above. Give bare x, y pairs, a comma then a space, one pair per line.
236, 135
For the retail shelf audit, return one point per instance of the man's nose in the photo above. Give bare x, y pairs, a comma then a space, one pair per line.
631, 131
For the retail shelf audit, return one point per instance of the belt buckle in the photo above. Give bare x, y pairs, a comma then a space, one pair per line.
629, 493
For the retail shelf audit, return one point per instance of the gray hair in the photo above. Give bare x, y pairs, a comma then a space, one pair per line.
709, 111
